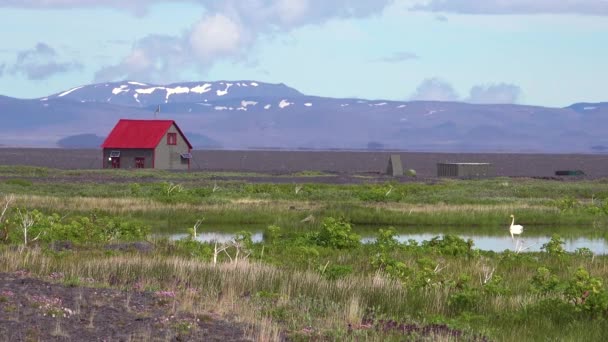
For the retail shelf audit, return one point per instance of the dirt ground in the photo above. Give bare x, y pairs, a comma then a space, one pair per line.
36, 310
338, 162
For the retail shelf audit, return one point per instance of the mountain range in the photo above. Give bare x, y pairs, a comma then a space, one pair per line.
250, 114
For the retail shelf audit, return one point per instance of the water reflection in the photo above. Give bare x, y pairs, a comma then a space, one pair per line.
500, 243
488, 243
217, 237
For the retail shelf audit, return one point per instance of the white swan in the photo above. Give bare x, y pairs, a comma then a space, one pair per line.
515, 229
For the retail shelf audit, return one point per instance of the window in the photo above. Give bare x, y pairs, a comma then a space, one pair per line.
172, 139
114, 154
186, 155
140, 162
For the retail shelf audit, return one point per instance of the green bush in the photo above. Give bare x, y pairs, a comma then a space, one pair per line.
555, 246
451, 245
336, 233
587, 293
544, 282
194, 249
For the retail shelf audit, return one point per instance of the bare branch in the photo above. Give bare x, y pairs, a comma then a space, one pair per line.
7, 203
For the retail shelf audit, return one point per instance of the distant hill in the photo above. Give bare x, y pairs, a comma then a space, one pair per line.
244, 114
81, 141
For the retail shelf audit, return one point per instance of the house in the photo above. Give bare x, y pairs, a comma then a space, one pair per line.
139, 144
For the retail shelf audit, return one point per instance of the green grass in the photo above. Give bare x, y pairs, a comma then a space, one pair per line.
310, 280
291, 286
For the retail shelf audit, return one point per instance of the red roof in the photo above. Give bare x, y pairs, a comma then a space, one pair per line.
139, 134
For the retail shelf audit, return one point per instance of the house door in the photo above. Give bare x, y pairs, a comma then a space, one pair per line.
116, 162
140, 162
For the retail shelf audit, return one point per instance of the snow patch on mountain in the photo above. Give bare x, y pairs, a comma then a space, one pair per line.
308, 104
244, 103
224, 92
137, 83
285, 104
148, 90
201, 89
69, 91
176, 90
121, 89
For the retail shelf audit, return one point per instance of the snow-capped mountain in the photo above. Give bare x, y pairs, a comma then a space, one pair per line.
137, 94
251, 114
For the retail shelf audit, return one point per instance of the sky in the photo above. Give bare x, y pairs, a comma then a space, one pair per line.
537, 52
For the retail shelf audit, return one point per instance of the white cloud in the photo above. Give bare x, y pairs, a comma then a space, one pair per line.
155, 58
138, 7
226, 31
216, 36
397, 57
501, 93
590, 7
291, 11
434, 89
41, 62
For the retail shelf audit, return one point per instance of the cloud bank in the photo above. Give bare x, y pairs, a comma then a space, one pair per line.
587, 7
41, 62
397, 57
494, 93
226, 31
435, 89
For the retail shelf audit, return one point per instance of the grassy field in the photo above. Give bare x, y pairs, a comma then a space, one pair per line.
311, 278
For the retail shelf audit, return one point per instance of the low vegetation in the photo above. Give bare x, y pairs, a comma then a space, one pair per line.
312, 278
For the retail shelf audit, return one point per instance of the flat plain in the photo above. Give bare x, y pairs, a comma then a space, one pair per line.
339, 162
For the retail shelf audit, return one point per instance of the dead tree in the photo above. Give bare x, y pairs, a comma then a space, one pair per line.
240, 251
193, 232
6, 203
27, 222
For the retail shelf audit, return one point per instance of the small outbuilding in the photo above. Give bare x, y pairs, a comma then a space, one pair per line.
395, 167
143, 144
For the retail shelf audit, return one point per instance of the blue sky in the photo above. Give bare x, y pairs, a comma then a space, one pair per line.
538, 52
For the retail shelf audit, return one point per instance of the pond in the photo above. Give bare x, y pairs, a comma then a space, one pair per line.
483, 241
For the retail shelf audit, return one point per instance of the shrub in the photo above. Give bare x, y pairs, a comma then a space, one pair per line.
386, 241
544, 282
194, 249
336, 233
567, 203
555, 246
272, 234
450, 245
587, 293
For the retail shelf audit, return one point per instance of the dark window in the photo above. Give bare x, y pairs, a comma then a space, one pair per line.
172, 139
140, 162
115, 154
